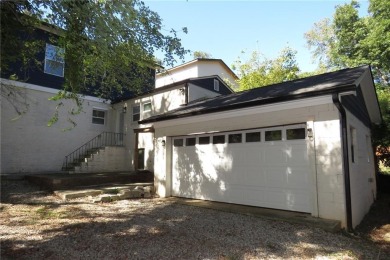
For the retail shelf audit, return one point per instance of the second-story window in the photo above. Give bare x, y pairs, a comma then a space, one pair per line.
147, 107
136, 113
216, 85
54, 60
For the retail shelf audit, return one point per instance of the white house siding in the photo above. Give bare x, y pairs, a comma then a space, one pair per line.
329, 161
161, 102
213, 68
108, 159
195, 92
193, 70
362, 171
177, 74
326, 161
28, 145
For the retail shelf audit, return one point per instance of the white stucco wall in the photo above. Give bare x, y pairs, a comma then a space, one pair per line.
326, 162
195, 69
161, 102
28, 145
209, 68
178, 74
362, 170
108, 159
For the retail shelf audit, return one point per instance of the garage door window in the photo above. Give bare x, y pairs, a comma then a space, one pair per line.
235, 138
191, 141
178, 142
253, 137
218, 139
275, 135
204, 140
297, 133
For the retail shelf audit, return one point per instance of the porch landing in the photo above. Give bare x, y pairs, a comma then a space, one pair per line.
62, 181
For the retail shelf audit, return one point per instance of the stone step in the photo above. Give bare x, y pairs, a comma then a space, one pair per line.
109, 193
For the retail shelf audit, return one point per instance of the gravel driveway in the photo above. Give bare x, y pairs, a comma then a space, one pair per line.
38, 225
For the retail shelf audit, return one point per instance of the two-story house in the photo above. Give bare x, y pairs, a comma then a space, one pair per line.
302, 145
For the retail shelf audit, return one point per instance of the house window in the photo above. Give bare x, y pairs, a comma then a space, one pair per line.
235, 138
352, 132
191, 141
98, 116
253, 137
275, 135
136, 115
297, 133
218, 139
216, 85
178, 142
204, 140
147, 107
54, 60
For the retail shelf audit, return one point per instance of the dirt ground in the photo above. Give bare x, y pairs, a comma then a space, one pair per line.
34, 224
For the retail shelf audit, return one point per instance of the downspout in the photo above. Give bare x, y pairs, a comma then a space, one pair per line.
344, 137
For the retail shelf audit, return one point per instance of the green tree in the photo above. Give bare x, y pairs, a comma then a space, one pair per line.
259, 71
109, 45
349, 40
202, 55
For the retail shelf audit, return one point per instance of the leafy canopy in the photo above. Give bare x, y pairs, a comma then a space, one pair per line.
349, 40
259, 71
109, 45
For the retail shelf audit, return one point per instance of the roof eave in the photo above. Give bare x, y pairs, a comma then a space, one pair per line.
253, 103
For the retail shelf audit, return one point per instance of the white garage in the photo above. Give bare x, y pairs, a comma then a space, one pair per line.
260, 167
300, 146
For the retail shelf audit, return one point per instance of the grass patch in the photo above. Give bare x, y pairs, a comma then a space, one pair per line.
47, 213
111, 191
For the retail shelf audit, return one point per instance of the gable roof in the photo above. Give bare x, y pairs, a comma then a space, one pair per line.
221, 62
328, 83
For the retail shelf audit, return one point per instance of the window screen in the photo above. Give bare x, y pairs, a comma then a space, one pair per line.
98, 117
204, 140
235, 138
178, 142
218, 139
190, 141
253, 137
274, 135
296, 133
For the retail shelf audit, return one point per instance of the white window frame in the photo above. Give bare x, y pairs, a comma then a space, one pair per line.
99, 117
143, 107
54, 54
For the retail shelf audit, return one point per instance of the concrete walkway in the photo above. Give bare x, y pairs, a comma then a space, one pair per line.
273, 214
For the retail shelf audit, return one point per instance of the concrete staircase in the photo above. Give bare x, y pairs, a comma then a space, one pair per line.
106, 159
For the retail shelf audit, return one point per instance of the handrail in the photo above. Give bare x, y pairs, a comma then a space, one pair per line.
99, 141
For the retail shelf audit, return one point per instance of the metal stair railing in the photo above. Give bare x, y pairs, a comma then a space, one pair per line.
102, 140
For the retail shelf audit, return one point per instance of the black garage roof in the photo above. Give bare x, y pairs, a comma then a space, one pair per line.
341, 80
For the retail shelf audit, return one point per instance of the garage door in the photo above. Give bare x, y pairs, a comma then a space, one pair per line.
258, 167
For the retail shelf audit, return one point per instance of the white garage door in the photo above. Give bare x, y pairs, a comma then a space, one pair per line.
259, 167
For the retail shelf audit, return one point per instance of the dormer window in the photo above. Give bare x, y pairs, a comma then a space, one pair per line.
216, 85
54, 60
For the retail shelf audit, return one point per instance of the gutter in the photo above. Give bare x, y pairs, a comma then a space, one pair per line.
344, 137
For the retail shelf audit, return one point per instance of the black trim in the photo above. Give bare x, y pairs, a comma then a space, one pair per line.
347, 180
